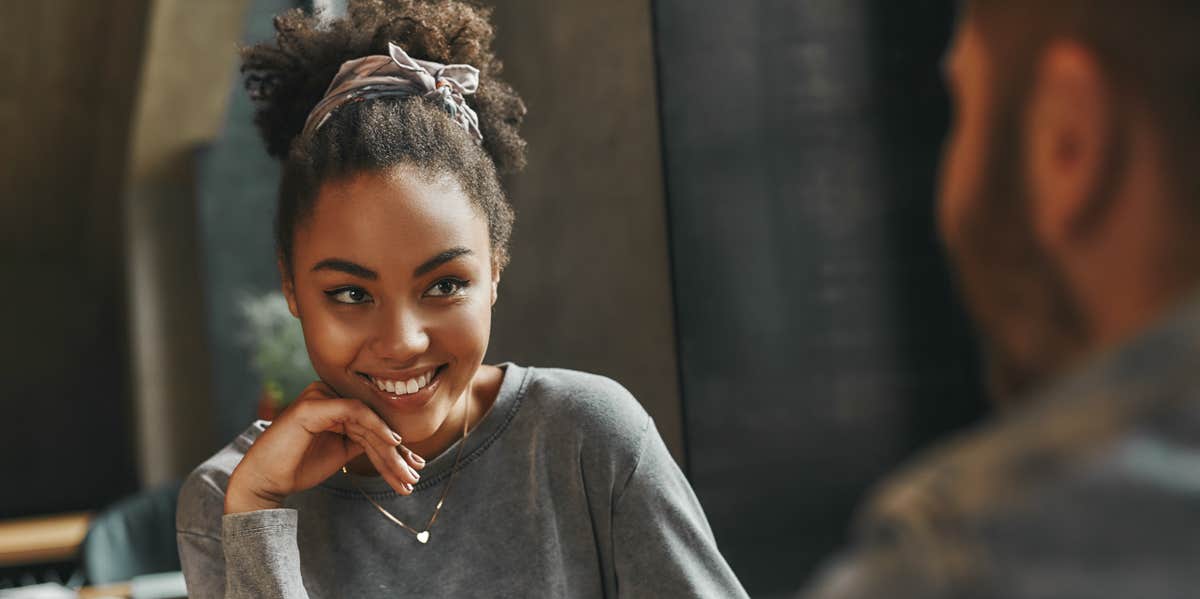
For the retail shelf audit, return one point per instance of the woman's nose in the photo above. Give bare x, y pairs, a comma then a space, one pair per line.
401, 335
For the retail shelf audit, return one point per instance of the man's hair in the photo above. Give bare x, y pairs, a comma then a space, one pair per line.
1149, 52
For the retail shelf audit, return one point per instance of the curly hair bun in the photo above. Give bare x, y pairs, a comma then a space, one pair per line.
288, 76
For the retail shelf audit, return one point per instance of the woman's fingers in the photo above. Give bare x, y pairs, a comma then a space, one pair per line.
394, 457
386, 458
389, 472
414, 460
328, 454
371, 421
319, 411
335, 415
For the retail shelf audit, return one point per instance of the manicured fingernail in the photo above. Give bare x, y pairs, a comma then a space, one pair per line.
418, 459
396, 437
407, 487
414, 473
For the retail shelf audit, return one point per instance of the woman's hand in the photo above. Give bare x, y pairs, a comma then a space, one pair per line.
310, 441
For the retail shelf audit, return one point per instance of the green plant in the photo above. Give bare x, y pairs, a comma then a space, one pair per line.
276, 340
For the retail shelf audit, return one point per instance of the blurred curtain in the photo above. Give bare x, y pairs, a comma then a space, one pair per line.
819, 342
183, 86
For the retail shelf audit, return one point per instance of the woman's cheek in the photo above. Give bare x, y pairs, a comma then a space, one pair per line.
332, 343
473, 328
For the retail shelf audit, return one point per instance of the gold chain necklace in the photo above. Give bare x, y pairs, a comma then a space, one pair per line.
423, 535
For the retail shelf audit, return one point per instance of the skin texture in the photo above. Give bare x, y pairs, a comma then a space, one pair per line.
1055, 208
426, 302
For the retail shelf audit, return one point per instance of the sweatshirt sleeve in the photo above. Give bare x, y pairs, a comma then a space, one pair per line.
663, 546
198, 532
261, 555
254, 554
203, 565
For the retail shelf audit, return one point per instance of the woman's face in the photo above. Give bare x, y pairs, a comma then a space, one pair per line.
393, 282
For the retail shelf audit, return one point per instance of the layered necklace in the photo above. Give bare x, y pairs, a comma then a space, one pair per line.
423, 535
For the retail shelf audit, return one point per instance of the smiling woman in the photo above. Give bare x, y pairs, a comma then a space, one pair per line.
392, 235
396, 307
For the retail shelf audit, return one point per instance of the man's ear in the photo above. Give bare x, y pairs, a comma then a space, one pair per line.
288, 286
1069, 140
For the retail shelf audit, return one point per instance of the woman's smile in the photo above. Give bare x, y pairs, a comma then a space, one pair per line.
405, 390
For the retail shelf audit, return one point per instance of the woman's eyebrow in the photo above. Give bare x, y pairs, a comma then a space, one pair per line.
440, 259
347, 267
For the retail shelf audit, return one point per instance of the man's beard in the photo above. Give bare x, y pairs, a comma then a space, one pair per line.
1029, 326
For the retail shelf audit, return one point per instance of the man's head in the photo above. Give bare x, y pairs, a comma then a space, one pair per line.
1070, 192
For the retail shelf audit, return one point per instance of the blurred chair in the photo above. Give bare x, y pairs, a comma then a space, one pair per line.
132, 537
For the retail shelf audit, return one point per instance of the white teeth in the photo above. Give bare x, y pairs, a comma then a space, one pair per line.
405, 387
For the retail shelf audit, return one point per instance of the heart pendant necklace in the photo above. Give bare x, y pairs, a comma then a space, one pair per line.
423, 535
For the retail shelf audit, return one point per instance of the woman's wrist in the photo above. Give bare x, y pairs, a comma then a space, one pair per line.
239, 499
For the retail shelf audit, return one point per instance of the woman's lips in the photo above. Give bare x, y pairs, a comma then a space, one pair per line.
427, 384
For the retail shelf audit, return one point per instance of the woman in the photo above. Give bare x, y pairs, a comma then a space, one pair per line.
410, 468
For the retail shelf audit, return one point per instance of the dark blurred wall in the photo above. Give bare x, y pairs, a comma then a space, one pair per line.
589, 286
819, 340
67, 76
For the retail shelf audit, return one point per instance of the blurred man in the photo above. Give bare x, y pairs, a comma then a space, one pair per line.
1070, 202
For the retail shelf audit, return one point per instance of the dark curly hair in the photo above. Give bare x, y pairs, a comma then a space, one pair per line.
288, 77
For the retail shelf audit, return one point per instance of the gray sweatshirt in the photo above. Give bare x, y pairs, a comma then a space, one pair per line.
565, 489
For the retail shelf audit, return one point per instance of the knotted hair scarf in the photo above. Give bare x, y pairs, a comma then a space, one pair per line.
398, 74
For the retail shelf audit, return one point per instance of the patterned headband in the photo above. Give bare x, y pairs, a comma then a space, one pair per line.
398, 74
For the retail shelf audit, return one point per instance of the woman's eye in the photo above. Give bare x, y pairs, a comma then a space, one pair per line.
447, 287
348, 295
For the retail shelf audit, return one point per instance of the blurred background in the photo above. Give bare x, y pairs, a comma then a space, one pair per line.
728, 208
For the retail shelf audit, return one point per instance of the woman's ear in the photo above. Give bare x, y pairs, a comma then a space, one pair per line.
289, 287
495, 283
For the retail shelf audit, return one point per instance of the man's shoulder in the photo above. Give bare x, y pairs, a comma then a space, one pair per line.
1086, 490
1090, 495
202, 496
